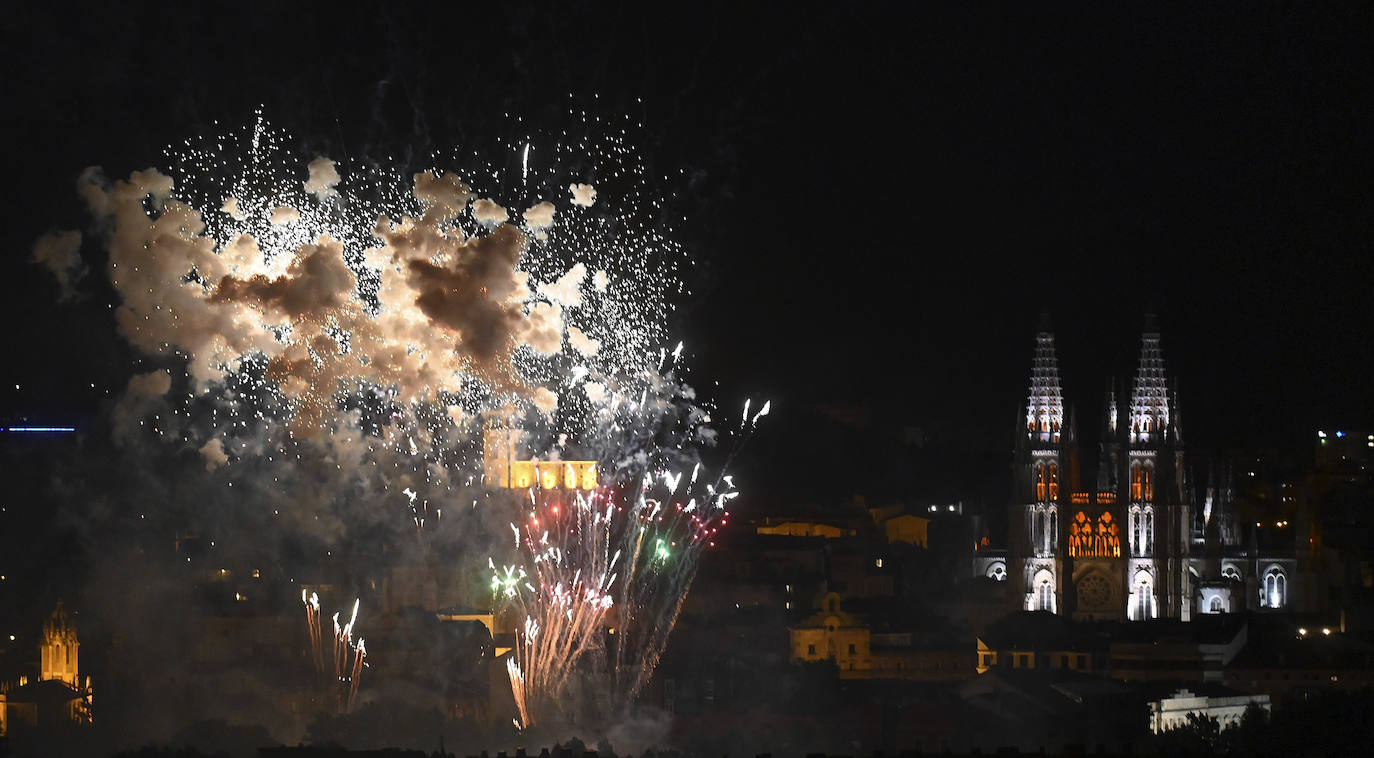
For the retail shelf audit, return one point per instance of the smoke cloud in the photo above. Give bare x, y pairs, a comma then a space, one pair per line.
539, 216
214, 454
324, 365
231, 206
285, 214
581, 342
488, 212
583, 194
60, 253
323, 177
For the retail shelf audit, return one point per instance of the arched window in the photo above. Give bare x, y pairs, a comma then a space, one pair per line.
997, 571
1054, 530
1275, 588
1042, 592
1135, 530
1149, 484
1147, 530
1135, 482
1142, 605
1216, 606
1054, 482
1108, 542
1037, 530
1229, 571
1040, 482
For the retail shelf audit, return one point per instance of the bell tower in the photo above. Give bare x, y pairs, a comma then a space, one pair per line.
1153, 490
60, 647
1042, 468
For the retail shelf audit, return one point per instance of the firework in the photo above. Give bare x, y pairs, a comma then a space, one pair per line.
312, 625
347, 673
635, 549
355, 329
347, 658
563, 595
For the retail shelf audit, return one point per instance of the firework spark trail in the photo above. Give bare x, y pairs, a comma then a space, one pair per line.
563, 596
638, 553
517, 686
347, 675
356, 677
665, 540
312, 624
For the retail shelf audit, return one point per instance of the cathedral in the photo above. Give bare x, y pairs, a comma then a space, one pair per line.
1139, 542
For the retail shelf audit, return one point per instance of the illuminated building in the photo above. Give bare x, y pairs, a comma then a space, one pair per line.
859, 652
61, 695
501, 469
1132, 547
60, 648
1226, 707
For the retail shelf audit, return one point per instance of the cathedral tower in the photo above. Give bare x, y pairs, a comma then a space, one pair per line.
1042, 465
1158, 523
60, 647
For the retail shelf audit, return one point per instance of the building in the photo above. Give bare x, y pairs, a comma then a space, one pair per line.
61, 695
862, 651
1226, 707
1137, 544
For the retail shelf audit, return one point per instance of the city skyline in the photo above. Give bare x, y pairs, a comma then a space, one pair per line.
686, 374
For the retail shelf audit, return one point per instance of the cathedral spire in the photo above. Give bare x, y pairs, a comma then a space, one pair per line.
1149, 407
1110, 408
1045, 406
60, 647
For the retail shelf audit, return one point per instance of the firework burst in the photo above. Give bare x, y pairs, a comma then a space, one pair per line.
355, 330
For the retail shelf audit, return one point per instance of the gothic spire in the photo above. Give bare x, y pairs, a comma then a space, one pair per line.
1110, 410
1045, 406
1150, 394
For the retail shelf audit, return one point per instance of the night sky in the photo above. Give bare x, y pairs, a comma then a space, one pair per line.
880, 201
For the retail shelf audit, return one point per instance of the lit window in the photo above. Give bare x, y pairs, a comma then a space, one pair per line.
1275, 588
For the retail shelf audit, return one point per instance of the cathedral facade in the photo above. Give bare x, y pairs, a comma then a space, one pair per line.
1134, 546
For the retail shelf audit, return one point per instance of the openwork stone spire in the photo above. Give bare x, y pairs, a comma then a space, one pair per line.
1111, 412
1150, 394
1045, 407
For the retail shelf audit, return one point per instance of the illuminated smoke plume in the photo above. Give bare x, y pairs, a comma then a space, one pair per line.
583, 194
323, 177
60, 253
539, 216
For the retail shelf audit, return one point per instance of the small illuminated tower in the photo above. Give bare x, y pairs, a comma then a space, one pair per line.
498, 446
1041, 463
60, 647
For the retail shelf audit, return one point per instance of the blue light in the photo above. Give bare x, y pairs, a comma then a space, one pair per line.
38, 429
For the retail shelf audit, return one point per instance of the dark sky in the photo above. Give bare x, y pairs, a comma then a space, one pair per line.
881, 200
